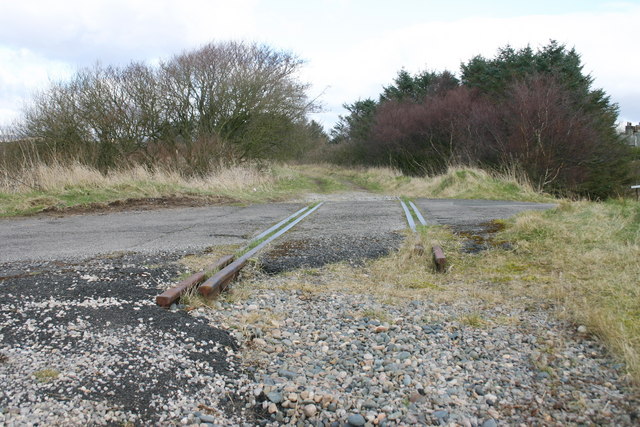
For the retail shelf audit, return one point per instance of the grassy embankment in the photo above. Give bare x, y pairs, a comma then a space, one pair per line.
58, 188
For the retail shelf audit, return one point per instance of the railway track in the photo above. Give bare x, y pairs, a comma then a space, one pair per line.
215, 278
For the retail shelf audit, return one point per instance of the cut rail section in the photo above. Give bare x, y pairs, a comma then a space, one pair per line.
439, 260
171, 295
220, 280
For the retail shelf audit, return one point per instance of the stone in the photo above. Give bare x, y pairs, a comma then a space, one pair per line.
406, 380
368, 404
287, 374
489, 423
441, 414
259, 342
491, 399
309, 410
207, 418
356, 420
275, 397
416, 397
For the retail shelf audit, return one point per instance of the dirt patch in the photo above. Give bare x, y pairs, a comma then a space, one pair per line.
481, 237
138, 204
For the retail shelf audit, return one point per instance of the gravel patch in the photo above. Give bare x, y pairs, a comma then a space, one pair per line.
334, 359
348, 228
86, 344
315, 252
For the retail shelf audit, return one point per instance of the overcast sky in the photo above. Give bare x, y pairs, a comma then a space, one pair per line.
352, 47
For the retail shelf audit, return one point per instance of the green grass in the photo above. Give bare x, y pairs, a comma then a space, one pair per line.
59, 187
46, 375
456, 183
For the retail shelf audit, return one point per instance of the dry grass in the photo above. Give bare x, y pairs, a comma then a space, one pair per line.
46, 375
472, 183
60, 177
457, 183
59, 186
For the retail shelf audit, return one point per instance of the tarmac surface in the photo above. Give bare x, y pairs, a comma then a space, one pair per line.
351, 217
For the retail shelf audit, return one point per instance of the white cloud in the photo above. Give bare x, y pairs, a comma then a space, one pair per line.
605, 41
40, 40
120, 30
22, 73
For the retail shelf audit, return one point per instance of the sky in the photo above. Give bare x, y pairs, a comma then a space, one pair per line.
352, 48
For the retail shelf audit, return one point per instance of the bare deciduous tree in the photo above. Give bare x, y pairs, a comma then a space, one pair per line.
247, 95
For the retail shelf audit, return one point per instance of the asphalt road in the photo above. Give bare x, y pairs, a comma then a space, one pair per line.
360, 219
168, 230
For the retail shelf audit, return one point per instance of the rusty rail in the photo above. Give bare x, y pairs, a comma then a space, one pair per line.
169, 296
220, 280
439, 259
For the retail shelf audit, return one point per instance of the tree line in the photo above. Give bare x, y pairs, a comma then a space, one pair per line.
534, 112
223, 102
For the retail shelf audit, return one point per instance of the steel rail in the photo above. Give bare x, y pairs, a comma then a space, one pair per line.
412, 223
418, 214
219, 281
171, 295
277, 226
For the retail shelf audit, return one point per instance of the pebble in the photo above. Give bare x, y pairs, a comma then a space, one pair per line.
274, 397
352, 368
356, 420
310, 410
490, 423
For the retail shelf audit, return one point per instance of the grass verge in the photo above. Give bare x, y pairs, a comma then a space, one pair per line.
60, 188
456, 183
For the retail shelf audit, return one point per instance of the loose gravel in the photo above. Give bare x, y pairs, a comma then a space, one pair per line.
332, 358
86, 344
